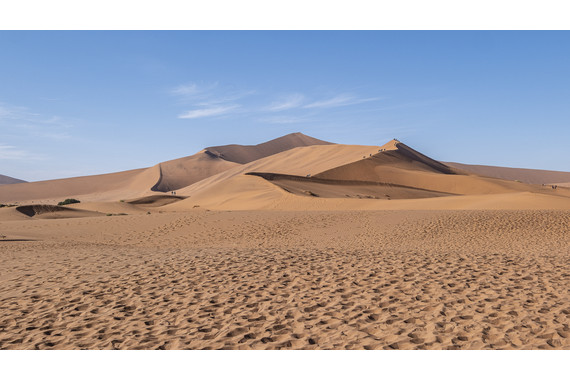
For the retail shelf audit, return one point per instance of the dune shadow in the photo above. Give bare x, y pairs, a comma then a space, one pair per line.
3, 240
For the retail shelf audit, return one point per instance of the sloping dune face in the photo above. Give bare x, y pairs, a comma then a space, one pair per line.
404, 166
111, 186
242, 154
182, 172
234, 189
5, 180
360, 177
164, 177
533, 176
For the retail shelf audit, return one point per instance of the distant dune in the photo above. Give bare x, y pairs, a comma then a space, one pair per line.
5, 180
533, 176
242, 154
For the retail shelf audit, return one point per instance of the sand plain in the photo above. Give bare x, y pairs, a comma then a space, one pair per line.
396, 279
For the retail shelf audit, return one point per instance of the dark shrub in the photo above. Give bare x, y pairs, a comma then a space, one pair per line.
68, 201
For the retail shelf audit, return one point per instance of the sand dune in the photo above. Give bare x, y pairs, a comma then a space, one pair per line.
233, 184
392, 171
111, 186
163, 177
404, 166
242, 154
5, 180
185, 171
532, 176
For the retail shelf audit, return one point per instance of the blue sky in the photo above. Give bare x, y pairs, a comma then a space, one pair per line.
80, 103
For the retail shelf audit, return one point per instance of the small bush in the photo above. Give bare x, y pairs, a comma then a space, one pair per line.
68, 201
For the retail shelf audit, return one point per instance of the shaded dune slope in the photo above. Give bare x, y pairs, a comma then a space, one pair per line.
54, 212
5, 180
330, 188
155, 200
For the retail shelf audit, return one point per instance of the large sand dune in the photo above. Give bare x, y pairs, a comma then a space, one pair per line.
354, 175
216, 177
164, 177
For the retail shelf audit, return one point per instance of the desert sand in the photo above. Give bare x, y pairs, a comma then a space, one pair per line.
292, 244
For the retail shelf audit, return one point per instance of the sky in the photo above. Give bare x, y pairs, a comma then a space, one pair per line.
78, 103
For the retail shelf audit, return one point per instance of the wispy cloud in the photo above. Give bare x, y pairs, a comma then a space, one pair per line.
291, 101
339, 101
19, 120
208, 112
213, 100
208, 100
8, 152
185, 89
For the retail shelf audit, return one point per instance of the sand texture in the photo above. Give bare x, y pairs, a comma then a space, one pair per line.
288, 280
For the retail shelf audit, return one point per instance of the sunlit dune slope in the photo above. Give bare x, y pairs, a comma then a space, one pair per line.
111, 186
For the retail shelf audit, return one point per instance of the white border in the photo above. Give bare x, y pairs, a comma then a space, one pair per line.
284, 14
288, 365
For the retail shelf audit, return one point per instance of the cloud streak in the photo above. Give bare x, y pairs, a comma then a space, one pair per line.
291, 101
208, 112
21, 121
339, 101
208, 100
8, 152
212, 100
